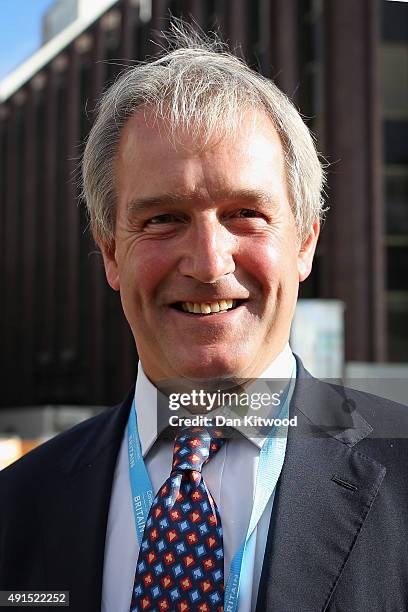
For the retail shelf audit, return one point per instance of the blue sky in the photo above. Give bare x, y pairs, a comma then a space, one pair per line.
20, 31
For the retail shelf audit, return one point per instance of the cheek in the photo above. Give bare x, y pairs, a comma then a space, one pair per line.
271, 262
143, 268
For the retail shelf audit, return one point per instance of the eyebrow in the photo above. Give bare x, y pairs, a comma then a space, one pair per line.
178, 199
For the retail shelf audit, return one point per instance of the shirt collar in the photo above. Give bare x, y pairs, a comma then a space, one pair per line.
146, 398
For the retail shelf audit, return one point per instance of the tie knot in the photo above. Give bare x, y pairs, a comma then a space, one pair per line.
194, 447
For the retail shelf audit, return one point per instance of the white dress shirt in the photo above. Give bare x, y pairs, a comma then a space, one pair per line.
230, 477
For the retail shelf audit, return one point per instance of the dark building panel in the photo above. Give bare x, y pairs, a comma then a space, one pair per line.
29, 242
64, 338
353, 262
10, 330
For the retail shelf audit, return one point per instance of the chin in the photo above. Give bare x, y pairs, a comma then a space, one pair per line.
211, 367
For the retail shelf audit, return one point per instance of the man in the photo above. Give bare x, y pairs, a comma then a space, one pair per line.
204, 192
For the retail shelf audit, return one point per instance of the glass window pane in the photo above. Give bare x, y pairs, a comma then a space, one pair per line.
397, 320
397, 268
396, 142
396, 203
395, 20
394, 80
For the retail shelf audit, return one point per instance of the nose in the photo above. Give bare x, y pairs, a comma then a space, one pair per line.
208, 251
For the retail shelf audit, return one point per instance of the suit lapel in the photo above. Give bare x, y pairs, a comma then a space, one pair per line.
80, 504
323, 497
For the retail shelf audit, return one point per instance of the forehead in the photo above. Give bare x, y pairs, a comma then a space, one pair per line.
152, 157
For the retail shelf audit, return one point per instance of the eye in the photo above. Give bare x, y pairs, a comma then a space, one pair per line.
248, 213
161, 219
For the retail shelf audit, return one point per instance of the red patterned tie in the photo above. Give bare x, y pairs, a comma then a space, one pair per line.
181, 558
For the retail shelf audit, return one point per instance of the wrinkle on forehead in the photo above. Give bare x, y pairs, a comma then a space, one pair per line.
151, 172
196, 137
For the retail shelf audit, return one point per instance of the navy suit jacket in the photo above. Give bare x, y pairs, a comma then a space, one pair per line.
338, 537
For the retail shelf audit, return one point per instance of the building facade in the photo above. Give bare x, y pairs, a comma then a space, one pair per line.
344, 63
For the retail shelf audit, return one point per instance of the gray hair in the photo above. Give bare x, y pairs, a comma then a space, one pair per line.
191, 86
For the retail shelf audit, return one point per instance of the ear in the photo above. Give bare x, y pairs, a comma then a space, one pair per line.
307, 251
111, 267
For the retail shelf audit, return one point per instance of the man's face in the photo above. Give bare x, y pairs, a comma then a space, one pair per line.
198, 229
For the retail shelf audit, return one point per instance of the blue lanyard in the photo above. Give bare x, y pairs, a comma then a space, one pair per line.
271, 460
142, 490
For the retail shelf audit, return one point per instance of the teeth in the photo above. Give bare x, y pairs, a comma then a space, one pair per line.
208, 307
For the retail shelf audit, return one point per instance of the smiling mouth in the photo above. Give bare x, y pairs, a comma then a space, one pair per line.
207, 308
